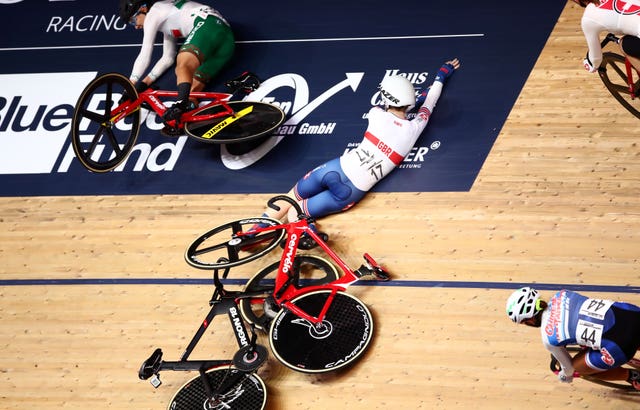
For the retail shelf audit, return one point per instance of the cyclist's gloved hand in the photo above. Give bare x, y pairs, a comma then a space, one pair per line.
140, 86
563, 377
588, 65
445, 72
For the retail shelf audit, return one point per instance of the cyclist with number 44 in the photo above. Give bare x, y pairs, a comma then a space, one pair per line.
208, 45
610, 16
608, 332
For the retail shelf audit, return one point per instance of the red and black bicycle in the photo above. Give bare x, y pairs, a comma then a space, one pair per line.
313, 328
105, 126
620, 77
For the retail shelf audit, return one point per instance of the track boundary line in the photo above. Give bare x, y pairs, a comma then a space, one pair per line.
392, 283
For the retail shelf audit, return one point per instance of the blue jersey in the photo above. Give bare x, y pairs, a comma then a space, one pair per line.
572, 318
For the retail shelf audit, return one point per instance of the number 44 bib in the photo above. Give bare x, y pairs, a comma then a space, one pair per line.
589, 332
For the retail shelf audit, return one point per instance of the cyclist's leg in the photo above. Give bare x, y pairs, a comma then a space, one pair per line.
281, 213
214, 44
630, 46
327, 190
585, 361
618, 345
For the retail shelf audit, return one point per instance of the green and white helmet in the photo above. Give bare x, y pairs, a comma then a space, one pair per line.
523, 304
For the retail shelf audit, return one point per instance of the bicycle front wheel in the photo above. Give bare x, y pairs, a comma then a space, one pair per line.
221, 248
338, 341
100, 144
613, 73
248, 392
251, 120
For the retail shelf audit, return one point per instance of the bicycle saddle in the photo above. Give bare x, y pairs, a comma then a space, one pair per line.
151, 365
246, 82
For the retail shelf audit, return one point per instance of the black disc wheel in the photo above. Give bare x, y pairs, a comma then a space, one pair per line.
250, 120
233, 390
336, 342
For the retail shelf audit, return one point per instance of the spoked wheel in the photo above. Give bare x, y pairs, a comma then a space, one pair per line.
310, 270
613, 73
99, 143
245, 391
251, 120
221, 248
337, 342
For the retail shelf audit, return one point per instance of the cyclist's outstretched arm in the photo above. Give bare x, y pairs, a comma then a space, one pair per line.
564, 358
591, 31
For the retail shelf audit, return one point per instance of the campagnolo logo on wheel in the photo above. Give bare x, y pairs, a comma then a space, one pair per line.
359, 348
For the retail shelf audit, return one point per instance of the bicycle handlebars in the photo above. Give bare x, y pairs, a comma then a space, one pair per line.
609, 38
289, 200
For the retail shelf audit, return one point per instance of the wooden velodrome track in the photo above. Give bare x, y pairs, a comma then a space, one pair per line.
557, 201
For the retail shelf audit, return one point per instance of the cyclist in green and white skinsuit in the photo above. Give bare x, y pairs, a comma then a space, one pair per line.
209, 44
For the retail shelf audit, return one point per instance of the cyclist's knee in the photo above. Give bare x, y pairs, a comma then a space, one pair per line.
630, 45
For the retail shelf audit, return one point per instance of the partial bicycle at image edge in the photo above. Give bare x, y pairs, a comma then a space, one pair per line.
313, 325
105, 124
617, 74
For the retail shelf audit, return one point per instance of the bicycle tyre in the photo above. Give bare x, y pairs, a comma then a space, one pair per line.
347, 331
218, 248
119, 140
263, 281
613, 74
262, 119
248, 394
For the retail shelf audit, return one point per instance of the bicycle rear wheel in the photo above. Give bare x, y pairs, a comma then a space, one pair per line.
252, 120
220, 248
337, 342
310, 270
99, 144
613, 74
248, 393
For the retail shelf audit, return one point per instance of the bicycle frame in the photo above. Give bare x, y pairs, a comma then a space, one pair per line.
630, 82
153, 99
628, 66
221, 302
284, 292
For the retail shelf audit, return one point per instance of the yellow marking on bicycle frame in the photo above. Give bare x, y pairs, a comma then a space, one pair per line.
117, 117
222, 124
